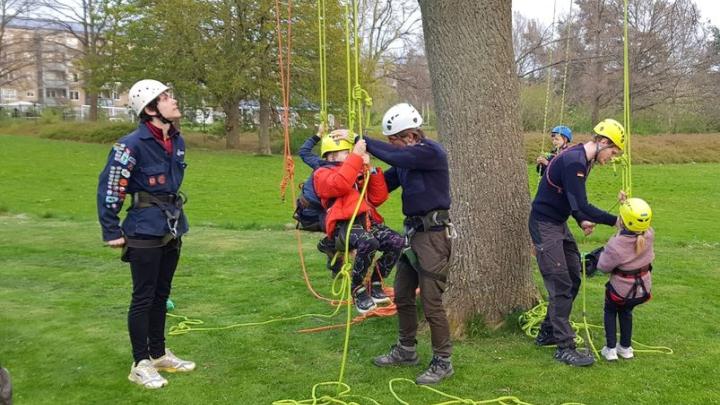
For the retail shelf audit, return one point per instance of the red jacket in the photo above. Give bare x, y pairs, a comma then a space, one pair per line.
342, 184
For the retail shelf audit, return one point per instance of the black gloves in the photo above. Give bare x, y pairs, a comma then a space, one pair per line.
591, 261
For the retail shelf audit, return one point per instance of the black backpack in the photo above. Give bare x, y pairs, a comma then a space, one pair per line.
309, 212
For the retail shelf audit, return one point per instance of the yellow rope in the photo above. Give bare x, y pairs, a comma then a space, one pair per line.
547, 86
584, 309
504, 400
348, 66
323, 66
358, 98
318, 399
627, 156
356, 94
187, 325
567, 61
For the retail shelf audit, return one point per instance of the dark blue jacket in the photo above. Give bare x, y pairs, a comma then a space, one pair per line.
561, 191
307, 155
422, 172
138, 162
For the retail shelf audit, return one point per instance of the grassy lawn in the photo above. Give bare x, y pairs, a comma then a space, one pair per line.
64, 297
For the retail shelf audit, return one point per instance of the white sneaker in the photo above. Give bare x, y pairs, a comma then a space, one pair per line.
609, 353
625, 352
144, 373
172, 364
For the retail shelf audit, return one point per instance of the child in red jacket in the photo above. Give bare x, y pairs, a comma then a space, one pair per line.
339, 185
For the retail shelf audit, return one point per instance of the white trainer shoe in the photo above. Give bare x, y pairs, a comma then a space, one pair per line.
609, 353
625, 352
172, 364
145, 374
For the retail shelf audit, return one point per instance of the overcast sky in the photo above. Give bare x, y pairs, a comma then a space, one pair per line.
543, 9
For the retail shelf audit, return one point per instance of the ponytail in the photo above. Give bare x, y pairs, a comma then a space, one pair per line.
640, 243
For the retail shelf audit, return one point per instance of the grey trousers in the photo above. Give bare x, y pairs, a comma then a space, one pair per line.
559, 262
433, 251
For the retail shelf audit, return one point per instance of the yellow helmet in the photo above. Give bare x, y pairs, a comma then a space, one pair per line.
328, 144
613, 130
636, 214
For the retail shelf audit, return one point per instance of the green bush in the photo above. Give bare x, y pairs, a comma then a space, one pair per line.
93, 132
297, 138
50, 116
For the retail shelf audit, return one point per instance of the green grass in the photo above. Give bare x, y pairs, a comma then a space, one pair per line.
64, 297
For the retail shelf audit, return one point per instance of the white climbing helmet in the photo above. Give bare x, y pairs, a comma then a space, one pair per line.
143, 92
399, 118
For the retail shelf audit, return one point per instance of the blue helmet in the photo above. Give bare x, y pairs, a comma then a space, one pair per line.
562, 130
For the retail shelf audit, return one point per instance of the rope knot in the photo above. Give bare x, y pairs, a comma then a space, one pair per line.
361, 94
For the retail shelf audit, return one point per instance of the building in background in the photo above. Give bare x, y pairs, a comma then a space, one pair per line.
43, 55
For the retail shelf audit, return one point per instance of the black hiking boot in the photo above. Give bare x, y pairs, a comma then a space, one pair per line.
545, 338
328, 248
440, 368
399, 356
363, 302
570, 355
377, 294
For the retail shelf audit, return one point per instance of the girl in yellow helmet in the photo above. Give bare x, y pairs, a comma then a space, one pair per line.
628, 257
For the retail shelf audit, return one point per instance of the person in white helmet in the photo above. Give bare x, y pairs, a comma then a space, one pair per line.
147, 165
420, 167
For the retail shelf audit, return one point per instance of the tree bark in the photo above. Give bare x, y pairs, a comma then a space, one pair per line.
93, 101
232, 124
476, 94
264, 128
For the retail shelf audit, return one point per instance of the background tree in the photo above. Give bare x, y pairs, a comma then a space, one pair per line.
13, 47
87, 21
668, 44
220, 52
412, 79
388, 31
478, 113
530, 46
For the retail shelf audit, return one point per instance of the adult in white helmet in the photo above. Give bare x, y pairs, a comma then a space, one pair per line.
420, 167
149, 165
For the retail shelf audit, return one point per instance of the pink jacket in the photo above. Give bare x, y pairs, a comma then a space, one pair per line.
620, 253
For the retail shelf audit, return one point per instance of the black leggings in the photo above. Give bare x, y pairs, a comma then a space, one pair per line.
366, 243
365, 246
391, 244
623, 313
152, 273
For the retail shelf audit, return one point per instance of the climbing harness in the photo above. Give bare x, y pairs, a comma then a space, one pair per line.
170, 204
549, 76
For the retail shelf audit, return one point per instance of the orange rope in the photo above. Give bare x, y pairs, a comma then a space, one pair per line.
289, 176
289, 164
386, 311
307, 277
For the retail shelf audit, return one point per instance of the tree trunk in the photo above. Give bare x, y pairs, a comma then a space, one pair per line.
264, 128
232, 124
93, 101
476, 96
